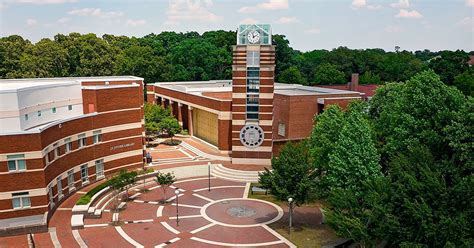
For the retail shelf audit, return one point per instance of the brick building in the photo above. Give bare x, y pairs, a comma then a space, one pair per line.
60, 134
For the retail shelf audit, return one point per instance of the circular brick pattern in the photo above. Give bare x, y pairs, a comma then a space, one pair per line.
238, 212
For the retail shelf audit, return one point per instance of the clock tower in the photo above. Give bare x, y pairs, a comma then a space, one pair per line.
253, 71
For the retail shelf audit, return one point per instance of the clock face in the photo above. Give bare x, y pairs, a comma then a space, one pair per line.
253, 37
251, 136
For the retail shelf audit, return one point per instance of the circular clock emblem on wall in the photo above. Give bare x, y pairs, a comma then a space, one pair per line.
251, 136
253, 37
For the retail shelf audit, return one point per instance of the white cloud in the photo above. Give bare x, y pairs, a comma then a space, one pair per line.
190, 10
393, 29
409, 14
267, 5
96, 12
287, 19
401, 4
313, 31
470, 3
30, 22
2, 6
135, 23
248, 21
45, 1
359, 3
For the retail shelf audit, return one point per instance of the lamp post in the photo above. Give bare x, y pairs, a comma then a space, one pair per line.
290, 201
209, 175
177, 205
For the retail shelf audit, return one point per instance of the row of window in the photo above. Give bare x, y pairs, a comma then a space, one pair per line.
53, 110
253, 89
81, 142
17, 162
22, 200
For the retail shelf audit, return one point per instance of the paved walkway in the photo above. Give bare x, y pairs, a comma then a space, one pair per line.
221, 217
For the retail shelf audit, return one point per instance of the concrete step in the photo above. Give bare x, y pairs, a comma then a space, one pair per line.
237, 172
234, 178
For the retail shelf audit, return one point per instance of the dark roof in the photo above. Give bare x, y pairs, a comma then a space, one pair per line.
367, 89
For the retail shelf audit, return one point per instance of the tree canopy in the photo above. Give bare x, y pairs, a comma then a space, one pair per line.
171, 56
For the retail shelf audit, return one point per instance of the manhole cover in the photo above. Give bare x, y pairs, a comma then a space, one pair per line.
241, 212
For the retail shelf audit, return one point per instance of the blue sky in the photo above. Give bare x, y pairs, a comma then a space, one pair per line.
308, 24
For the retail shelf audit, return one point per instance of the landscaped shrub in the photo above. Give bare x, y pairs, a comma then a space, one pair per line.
85, 199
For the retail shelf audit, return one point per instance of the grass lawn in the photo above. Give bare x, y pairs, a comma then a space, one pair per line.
306, 231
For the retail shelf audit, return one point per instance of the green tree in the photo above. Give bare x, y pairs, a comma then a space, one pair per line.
45, 59
322, 141
354, 157
292, 76
369, 78
138, 60
165, 180
465, 82
154, 114
11, 50
413, 113
449, 64
292, 174
328, 74
170, 126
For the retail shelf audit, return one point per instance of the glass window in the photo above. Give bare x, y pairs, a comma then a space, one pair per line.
252, 116
16, 162
26, 117
70, 180
281, 129
252, 108
56, 150
99, 168
84, 173
60, 187
68, 145
97, 136
253, 58
21, 200
253, 85
51, 197
54, 110
252, 99
39, 113
81, 140
69, 107
253, 72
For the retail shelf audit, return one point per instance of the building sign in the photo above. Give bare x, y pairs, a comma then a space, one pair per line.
121, 146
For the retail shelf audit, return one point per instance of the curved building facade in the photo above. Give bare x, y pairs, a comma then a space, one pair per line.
58, 135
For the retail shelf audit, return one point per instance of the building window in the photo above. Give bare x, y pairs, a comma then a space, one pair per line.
252, 116
21, 200
39, 113
60, 188
50, 196
84, 174
81, 140
56, 150
253, 72
16, 162
70, 180
26, 117
97, 136
99, 168
69, 107
54, 110
68, 145
253, 85
281, 129
252, 99
253, 58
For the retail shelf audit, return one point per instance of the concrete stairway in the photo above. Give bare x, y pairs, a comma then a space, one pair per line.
234, 175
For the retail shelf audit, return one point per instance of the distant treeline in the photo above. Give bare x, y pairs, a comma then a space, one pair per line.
171, 56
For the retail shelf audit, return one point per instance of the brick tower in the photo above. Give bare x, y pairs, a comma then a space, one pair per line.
253, 72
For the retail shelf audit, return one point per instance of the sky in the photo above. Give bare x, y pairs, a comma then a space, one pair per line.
308, 24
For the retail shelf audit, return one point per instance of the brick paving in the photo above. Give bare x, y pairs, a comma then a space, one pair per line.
216, 228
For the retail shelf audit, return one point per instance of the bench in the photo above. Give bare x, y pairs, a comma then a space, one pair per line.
258, 190
77, 221
122, 205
